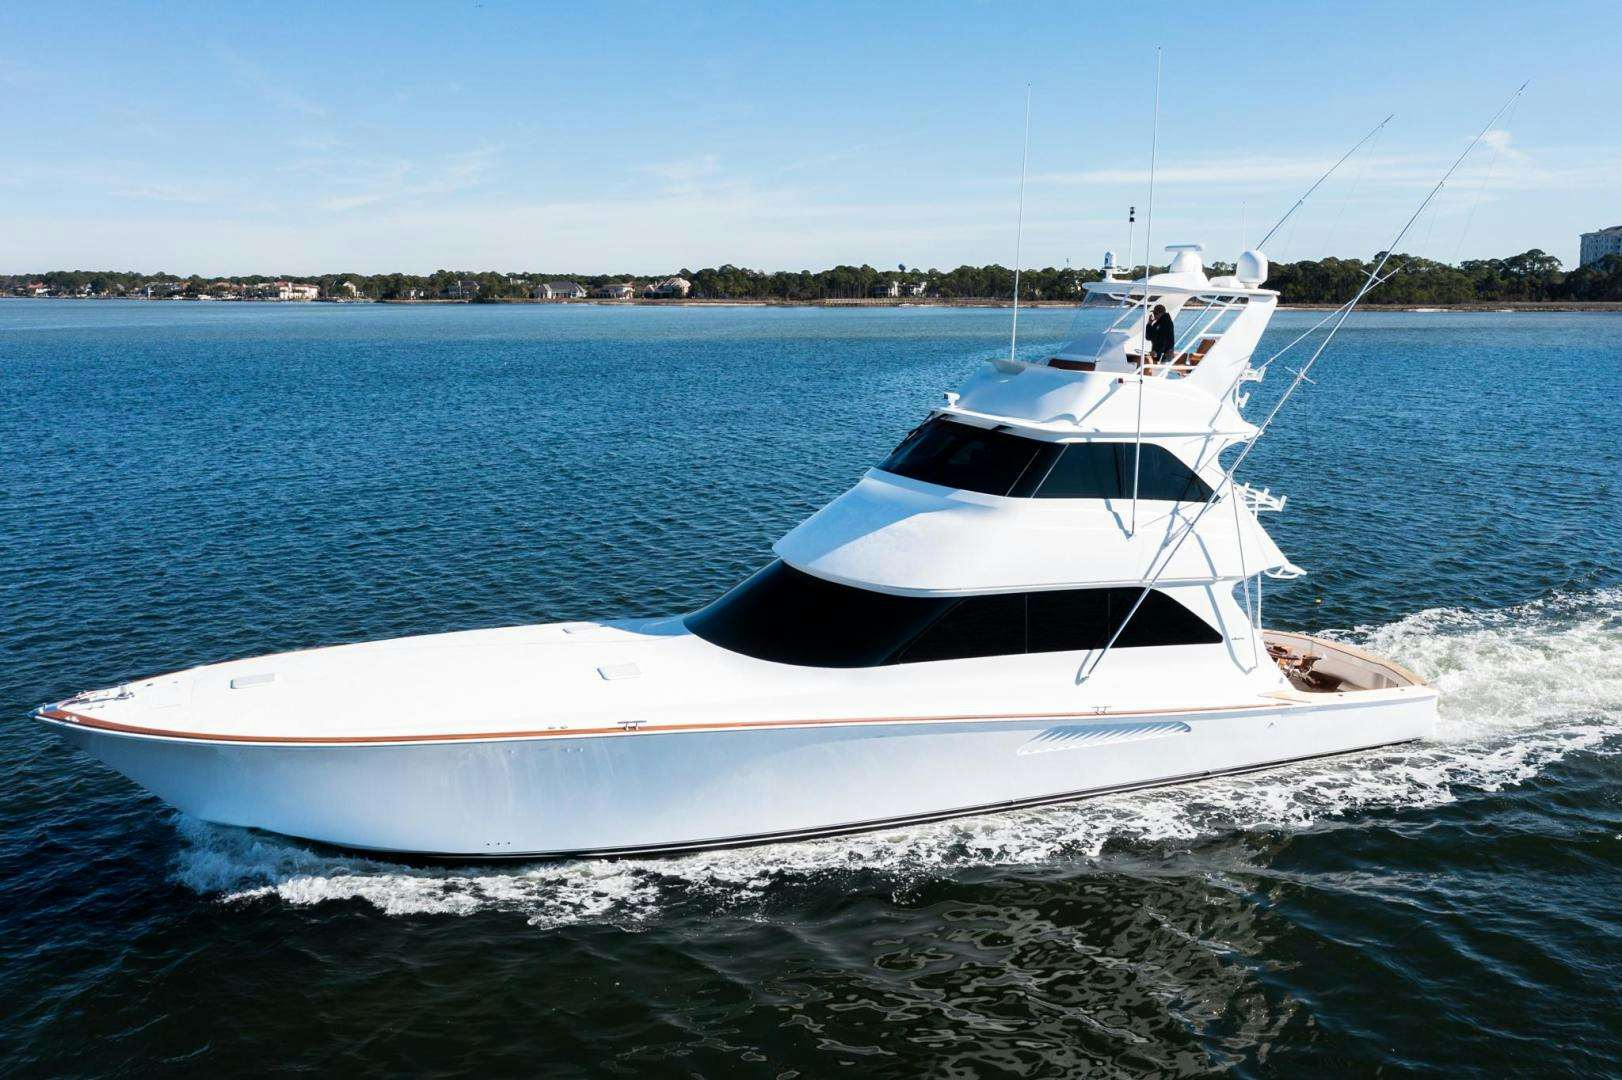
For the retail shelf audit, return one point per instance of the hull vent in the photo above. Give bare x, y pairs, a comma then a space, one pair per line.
1086, 736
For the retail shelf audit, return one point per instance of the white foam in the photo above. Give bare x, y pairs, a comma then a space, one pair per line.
1522, 687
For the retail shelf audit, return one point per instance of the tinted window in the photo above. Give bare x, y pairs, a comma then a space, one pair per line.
790, 617
956, 455
1094, 470
1085, 618
973, 626
959, 456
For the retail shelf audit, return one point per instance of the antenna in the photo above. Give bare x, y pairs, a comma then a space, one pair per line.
1317, 183
1131, 227
1019, 226
1345, 310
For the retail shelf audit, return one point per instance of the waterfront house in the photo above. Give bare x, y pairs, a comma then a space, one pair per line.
1597, 245
295, 290
38, 288
560, 290
622, 290
462, 290
912, 288
887, 289
278, 290
669, 288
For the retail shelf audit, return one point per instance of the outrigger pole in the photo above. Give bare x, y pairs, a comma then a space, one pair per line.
1319, 182
1345, 310
1143, 338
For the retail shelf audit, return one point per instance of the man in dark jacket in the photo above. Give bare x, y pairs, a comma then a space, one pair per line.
1162, 335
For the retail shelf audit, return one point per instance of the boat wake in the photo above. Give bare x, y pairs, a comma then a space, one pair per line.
1523, 688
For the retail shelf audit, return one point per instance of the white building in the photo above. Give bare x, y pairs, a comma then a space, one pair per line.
287, 290
669, 287
623, 290
887, 289
560, 290
1597, 245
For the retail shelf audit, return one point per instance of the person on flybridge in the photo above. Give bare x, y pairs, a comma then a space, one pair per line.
1162, 335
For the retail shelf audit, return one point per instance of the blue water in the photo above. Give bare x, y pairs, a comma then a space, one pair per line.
190, 482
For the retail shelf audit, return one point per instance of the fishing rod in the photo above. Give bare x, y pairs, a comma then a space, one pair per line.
1344, 312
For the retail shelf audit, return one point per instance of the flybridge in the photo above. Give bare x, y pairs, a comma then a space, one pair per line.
1218, 320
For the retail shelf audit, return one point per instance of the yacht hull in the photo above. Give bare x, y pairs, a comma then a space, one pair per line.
648, 792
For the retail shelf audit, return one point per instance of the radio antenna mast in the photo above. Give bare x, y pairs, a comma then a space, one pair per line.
1019, 226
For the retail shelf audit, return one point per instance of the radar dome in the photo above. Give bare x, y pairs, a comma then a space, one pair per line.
1251, 268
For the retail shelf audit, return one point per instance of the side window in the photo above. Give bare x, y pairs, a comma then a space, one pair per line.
1086, 471
961, 456
974, 626
1162, 476
1079, 619
1094, 470
1160, 621
1069, 619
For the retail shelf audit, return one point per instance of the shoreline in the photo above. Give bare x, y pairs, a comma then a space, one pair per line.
968, 302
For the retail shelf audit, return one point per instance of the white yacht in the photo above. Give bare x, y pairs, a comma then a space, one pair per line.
1050, 589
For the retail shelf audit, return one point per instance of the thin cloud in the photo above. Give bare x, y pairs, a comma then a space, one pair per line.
685, 175
396, 181
269, 89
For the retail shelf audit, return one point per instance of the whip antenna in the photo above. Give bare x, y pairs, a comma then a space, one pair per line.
1019, 224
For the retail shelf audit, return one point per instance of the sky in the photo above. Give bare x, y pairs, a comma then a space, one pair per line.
592, 138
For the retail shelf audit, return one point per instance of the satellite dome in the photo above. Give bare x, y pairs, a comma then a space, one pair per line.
1251, 268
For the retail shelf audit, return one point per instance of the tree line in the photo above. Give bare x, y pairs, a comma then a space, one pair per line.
1530, 276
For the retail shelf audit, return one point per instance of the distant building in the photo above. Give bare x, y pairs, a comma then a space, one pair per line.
887, 288
283, 290
560, 290
1597, 245
462, 290
38, 288
624, 290
672, 287
349, 289
912, 288
412, 294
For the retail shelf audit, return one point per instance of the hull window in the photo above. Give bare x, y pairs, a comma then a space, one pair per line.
993, 462
789, 617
